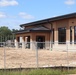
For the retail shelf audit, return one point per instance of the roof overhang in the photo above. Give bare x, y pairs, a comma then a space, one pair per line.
39, 31
50, 19
35, 29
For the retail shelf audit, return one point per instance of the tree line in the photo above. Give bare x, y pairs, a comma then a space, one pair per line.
7, 34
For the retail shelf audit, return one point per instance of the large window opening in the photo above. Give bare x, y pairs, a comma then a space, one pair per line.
75, 34
62, 35
70, 34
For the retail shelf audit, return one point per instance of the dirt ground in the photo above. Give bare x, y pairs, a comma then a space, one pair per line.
16, 58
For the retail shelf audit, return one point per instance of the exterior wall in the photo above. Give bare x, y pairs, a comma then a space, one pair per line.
27, 27
33, 38
23, 39
72, 22
47, 38
57, 24
55, 32
47, 25
64, 23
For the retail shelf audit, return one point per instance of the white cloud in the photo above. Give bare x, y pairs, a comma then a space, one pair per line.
2, 15
8, 3
25, 15
70, 2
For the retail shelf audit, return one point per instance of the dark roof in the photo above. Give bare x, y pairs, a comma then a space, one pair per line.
50, 19
39, 28
35, 29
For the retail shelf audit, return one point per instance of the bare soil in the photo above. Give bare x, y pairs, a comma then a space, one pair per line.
16, 58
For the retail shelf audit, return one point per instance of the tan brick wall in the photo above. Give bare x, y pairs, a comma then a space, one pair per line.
27, 27
64, 23
47, 25
57, 24
47, 36
55, 32
72, 22
33, 37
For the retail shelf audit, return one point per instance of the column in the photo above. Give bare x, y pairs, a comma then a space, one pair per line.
68, 47
68, 35
26, 41
33, 42
23, 42
73, 35
16, 42
47, 41
50, 41
56, 36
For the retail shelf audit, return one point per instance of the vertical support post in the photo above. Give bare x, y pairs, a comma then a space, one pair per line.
13, 37
68, 36
56, 35
23, 42
37, 55
17, 42
5, 39
13, 40
67, 56
51, 36
51, 33
4, 57
73, 35
50, 44
1, 38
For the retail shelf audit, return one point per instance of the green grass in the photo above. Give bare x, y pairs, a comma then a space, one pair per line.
38, 72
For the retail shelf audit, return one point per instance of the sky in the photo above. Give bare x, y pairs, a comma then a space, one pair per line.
13, 13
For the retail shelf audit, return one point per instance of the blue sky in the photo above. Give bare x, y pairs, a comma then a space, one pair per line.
16, 12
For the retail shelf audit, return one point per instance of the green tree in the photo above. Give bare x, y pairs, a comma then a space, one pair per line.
4, 32
14, 30
13, 33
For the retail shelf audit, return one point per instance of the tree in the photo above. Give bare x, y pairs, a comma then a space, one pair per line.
4, 32
14, 30
7, 34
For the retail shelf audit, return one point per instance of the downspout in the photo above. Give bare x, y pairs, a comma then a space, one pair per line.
51, 34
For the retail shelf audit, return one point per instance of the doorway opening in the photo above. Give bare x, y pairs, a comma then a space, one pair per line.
28, 42
40, 42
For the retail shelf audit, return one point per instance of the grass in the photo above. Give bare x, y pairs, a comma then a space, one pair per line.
38, 72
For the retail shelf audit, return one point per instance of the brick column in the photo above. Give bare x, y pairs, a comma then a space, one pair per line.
23, 42
56, 35
33, 43
50, 40
68, 34
47, 43
16, 42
